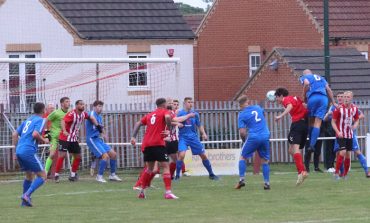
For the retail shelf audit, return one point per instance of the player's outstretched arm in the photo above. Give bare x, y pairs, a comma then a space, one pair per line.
331, 95
286, 111
135, 132
184, 117
36, 135
15, 137
306, 87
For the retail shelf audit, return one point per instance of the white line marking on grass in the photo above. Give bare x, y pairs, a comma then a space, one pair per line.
329, 220
81, 192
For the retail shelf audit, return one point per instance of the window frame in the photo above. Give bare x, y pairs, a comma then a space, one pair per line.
252, 69
137, 86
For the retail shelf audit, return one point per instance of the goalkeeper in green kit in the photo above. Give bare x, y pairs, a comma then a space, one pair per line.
55, 118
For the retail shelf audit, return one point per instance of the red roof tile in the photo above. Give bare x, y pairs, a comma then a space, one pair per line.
348, 18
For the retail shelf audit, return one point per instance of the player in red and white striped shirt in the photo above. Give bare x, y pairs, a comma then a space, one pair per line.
68, 138
345, 120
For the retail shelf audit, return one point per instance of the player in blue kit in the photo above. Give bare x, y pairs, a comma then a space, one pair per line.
315, 92
26, 139
97, 146
188, 137
252, 118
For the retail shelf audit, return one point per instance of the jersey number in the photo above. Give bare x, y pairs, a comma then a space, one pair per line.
317, 77
152, 120
25, 129
255, 113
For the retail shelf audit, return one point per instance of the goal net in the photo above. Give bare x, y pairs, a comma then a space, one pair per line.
137, 80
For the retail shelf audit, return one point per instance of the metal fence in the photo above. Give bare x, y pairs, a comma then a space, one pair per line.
220, 120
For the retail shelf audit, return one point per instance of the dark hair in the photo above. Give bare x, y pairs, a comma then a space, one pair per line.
38, 108
160, 101
97, 102
175, 100
242, 99
339, 92
188, 99
281, 91
78, 102
63, 99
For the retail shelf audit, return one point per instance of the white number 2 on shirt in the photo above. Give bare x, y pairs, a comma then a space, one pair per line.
255, 113
152, 119
25, 128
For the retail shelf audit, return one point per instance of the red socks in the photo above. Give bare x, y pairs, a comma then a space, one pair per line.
139, 182
76, 164
59, 164
167, 181
146, 179
172, 169
347, 164
298, 162
339, 163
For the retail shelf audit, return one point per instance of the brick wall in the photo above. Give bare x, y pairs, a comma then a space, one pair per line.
270, 80
221, 51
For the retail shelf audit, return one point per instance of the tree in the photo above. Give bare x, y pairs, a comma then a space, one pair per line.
209, 3
188, 9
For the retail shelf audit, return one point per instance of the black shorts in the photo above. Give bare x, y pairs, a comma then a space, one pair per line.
155, 153
298, 133
71, 147
172, 147
345, 144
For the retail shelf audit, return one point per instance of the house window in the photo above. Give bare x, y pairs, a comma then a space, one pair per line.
254, 62
22, 82
138, 73
366, 54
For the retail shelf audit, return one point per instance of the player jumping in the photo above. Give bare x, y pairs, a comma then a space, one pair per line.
297, 136
26, 139
315, 91
251, 117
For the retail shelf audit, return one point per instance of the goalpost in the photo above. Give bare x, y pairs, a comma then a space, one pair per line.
112, 80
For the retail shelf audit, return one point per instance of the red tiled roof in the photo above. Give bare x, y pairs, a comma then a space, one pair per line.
348, 18
194, 20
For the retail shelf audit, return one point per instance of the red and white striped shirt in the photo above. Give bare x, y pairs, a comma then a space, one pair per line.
344, 117
73, 124
173, 130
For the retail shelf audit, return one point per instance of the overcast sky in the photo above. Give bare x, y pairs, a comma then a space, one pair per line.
196, 3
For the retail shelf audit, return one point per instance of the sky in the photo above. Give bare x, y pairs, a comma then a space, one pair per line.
196, 3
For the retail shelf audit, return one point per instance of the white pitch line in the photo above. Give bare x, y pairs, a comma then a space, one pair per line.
329, 220
82, 192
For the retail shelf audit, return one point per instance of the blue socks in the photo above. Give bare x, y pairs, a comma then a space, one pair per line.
363, 162
314, 135
266, 172
26, 185
179, 164
208, 166
242, 169
102, 165
113, 166
35, 185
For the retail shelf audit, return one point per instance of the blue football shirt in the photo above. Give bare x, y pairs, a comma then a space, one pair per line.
191, 125
26, 143
317, 84
91, 130
253, 119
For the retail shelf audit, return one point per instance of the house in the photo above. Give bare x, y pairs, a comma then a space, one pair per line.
349, 71
235, 37
94, 29
193, 20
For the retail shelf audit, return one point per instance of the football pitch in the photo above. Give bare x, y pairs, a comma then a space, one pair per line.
319, 199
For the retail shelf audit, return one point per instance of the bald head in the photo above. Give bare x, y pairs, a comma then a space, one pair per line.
307, 71
50, 108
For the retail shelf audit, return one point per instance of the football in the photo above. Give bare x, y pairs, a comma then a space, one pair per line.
270, 95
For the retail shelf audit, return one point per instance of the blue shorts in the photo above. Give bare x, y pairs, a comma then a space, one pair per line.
97, 146
261, 144
355, 145
30, 163
195, 145
317, 105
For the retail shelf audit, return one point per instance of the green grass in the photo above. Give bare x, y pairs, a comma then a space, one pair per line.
319, 199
